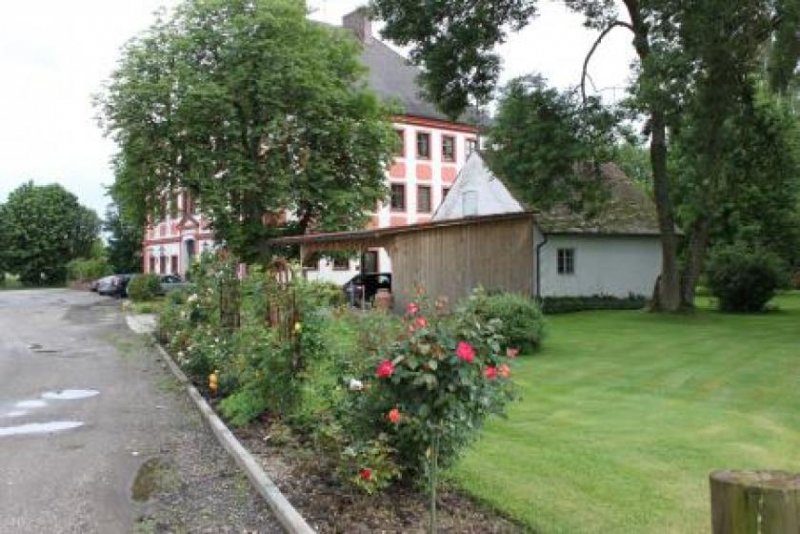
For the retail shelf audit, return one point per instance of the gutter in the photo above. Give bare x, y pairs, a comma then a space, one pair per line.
539, 266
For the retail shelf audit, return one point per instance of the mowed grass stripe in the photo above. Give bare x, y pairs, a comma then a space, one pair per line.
624, 414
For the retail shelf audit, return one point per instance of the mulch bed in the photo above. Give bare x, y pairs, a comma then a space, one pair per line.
329, 506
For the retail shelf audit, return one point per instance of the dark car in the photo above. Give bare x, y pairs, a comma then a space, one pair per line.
363, 287
115, 285
169, 282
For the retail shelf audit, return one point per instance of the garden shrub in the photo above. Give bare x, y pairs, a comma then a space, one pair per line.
554, 305
795, 282
144, 287
522, 319
744, 279
85, 270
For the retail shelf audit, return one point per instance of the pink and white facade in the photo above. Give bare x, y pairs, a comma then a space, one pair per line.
433, 151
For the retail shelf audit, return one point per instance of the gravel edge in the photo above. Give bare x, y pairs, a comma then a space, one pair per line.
287, 515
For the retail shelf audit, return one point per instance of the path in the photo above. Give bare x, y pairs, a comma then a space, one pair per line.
97, 436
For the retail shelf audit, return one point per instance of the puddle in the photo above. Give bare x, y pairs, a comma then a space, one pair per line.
70, 394
39, 428
27, 404
155, 476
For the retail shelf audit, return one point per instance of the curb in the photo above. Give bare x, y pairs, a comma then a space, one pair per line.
287, 515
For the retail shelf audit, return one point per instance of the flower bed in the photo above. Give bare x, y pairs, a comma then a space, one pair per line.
376, 405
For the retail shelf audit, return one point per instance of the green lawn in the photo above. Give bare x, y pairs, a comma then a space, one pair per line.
624, 414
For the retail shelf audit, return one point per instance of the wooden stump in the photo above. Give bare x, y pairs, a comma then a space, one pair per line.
757, 502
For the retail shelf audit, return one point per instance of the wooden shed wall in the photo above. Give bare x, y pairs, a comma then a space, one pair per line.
451, 261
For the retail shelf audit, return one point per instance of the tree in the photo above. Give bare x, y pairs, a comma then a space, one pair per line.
752, 196
685, 51
538, 136
254, 110
44, 228
124, 249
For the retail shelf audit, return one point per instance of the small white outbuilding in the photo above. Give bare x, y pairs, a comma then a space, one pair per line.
615, 252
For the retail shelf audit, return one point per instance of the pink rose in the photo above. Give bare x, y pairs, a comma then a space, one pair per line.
385, 369
490, 372
465, 352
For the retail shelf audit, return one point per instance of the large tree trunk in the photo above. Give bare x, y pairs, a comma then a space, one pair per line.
667, 295
667, 292
698, 244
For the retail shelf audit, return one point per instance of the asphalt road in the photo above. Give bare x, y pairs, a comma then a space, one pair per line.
96, 435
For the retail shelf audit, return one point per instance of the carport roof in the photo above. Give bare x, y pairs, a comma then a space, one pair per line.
381, 237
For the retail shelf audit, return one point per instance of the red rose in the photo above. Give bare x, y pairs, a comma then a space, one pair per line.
422, 322
385, 369
365, 474
512, 352
490, 372
504, 371
393, 416
465, 352
412, 308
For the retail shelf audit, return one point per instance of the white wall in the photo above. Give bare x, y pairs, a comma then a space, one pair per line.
604, 265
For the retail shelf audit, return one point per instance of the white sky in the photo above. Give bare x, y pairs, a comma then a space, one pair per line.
55, 54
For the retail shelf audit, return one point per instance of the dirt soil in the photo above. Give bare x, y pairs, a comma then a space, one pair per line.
331, 507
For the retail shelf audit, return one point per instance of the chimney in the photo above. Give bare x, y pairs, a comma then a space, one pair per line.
359, 23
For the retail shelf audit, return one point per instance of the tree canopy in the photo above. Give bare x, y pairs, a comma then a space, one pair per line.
693, 58
254, 110
44, 228
124, 250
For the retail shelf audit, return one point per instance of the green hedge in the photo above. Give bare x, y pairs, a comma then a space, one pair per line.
522, 320
553, 305
85, 270
144, 287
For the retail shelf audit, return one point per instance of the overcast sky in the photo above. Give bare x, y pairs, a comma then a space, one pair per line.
55, 54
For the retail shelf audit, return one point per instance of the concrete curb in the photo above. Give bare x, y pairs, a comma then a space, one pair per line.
289, 517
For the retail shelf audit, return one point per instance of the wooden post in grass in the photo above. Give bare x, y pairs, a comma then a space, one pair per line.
757, 502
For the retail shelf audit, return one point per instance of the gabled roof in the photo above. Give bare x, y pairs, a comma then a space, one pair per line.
628, 210
393, 77
493, 196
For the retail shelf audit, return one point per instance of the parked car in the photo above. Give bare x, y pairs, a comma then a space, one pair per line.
114, 286
363, 287
172, 281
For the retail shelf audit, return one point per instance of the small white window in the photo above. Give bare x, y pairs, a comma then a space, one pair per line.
566, 261
469, 203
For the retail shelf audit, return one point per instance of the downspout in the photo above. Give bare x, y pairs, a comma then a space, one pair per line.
539, 267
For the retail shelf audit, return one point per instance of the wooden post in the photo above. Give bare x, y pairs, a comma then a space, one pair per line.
757, 502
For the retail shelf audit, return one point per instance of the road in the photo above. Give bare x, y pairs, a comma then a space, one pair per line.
96, 435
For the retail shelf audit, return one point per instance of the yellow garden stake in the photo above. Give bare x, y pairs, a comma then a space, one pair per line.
213, 383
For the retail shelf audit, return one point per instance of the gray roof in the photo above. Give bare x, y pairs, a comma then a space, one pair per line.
394, 78
628, 210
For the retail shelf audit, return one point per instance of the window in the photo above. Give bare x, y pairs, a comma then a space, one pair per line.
469, 203
472, 146
162, 268
448, 148
398, 197
566, 261
341, 264
152, 268
400, 151
174, 261
423, 199
423, 145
